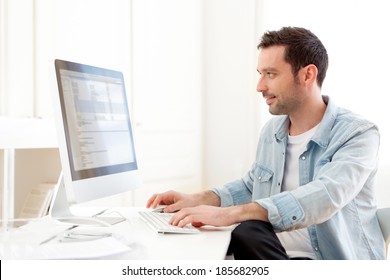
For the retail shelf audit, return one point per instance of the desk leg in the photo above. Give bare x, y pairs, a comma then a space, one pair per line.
8, 187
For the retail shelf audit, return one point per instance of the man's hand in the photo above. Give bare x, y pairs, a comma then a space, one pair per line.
176, 201
219, 216
203, 215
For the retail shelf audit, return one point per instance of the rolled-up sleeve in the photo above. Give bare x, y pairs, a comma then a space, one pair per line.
237, 192
284, 210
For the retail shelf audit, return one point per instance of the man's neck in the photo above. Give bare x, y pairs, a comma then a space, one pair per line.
308, 116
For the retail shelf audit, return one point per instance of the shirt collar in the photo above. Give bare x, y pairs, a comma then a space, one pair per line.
322, 135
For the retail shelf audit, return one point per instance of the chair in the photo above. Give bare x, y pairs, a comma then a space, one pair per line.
383, 215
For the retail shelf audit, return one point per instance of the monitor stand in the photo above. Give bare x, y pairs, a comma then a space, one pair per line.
59, 210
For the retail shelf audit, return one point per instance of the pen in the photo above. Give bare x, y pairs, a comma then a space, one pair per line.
100, 212
55, 235
81, 238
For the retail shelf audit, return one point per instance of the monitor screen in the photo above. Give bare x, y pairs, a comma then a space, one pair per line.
97, 125
95, 134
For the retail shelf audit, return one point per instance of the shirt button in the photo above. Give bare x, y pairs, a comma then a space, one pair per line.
294, 218
259, 177
316, 249
303, 157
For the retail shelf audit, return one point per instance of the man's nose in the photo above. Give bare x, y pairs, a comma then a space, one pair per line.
261, 85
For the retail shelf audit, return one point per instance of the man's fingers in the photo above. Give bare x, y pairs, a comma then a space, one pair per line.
154, 201
173, 207
150, 201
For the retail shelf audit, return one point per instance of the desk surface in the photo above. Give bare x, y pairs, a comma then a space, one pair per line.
211, 244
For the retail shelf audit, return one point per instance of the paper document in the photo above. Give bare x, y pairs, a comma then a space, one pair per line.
103, 248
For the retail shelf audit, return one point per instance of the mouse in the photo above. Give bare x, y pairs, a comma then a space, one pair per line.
159, 209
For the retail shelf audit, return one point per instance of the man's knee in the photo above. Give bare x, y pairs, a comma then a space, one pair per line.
248, 230
256, 240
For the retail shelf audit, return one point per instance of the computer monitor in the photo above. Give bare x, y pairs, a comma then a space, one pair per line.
95, 135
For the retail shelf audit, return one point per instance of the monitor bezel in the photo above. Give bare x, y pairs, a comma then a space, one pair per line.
93, 70
104, 181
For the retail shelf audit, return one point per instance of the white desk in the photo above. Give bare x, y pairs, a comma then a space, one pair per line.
211, 244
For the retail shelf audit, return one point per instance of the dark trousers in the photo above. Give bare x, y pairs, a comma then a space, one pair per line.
256, 240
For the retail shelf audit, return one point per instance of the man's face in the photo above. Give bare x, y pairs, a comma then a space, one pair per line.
277, 83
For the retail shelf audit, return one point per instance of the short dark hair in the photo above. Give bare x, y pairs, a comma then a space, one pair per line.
302, 48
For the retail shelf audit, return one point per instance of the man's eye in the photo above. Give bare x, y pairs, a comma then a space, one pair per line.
270, 75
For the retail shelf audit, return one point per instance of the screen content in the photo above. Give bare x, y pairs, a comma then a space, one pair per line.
98, 127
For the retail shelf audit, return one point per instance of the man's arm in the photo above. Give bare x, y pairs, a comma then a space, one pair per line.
219, 216
204, 209
176, 201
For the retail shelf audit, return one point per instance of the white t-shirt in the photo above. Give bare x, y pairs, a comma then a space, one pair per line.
297, 243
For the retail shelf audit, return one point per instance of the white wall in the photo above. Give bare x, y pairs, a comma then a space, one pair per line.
231, 118
167, 59
34, 32
16, 58
87, 31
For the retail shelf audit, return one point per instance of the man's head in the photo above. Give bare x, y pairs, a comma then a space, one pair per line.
302, 48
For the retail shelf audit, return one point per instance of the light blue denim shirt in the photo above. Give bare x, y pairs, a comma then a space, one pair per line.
336, 197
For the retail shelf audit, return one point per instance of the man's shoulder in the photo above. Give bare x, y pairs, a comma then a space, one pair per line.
348, 124
349, 118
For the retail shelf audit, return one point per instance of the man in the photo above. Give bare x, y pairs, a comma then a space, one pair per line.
310, 193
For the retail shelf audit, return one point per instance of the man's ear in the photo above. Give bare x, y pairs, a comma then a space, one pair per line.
310, 73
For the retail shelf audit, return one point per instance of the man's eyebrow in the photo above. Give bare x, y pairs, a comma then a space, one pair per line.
267, 69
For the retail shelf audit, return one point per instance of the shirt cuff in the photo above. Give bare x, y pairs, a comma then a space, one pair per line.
284, 210
225, 196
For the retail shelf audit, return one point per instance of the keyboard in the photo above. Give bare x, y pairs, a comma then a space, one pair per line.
159, 223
